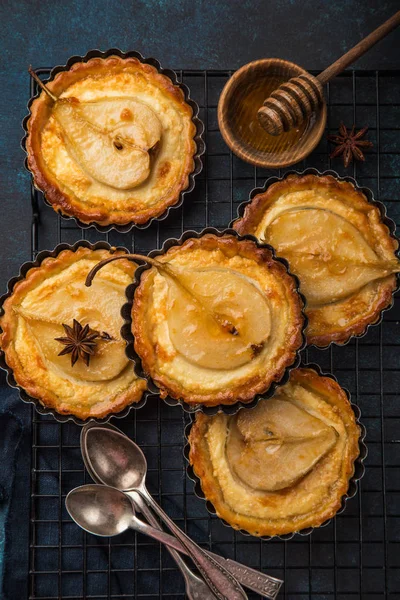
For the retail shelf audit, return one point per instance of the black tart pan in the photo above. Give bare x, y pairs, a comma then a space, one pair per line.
198, 166
370, 197
359, 468
126, 330
40, 408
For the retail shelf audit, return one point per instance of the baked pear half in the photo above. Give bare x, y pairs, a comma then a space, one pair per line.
62, 339
219, 322
283, 466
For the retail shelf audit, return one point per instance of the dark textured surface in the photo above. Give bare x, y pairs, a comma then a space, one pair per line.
214, 35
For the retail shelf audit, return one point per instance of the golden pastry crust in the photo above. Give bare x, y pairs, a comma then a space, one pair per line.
340, 227
182, 375
68, 187
52, 294
312, 498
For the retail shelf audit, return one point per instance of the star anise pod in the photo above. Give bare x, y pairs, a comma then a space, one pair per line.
79, 341
349, 144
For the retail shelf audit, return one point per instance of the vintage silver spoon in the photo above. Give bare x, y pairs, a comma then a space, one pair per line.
106, 511
120, 462
102, 470
195, 587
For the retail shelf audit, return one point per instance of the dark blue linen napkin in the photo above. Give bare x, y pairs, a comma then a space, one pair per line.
15, 496
15, 462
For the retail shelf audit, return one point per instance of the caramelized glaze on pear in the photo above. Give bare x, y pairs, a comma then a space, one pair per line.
235, 300
217, 317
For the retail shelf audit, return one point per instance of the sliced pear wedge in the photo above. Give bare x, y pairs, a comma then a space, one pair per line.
111, 158
331, 257
108, 361
64, 297
201, 302
68, 298
277, 443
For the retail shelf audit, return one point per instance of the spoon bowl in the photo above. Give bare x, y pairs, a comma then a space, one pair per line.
117, 461
99, 510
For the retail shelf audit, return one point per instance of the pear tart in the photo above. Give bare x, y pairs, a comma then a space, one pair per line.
337, 244
283, 466
219, 323
111, 141
62, 339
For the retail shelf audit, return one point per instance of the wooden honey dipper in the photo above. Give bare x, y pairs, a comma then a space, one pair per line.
295, 100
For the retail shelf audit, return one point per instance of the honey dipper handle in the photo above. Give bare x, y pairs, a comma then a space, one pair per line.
359, 49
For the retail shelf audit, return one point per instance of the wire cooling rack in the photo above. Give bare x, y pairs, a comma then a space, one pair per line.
358, 554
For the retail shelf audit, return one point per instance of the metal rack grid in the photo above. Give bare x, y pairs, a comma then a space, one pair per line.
358, 554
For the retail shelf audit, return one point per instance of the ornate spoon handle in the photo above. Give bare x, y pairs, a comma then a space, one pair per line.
196, 588
258, 582
221, 582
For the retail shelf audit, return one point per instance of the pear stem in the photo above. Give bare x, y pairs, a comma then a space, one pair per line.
133, 257
41, 84
168, 270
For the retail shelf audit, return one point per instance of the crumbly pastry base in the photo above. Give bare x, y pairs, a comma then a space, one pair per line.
68, 188
340, 320
199, 386
292, 509
42, 380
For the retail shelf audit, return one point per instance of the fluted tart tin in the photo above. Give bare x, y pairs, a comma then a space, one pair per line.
359, 468
368, 194
127, 333
198, 136
25, 397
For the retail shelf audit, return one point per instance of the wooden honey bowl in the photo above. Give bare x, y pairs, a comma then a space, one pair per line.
238, 105
272, 122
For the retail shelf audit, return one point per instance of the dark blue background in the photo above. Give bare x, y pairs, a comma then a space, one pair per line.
181, 34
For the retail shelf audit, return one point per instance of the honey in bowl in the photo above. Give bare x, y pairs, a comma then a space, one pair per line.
242, 97
248, 126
